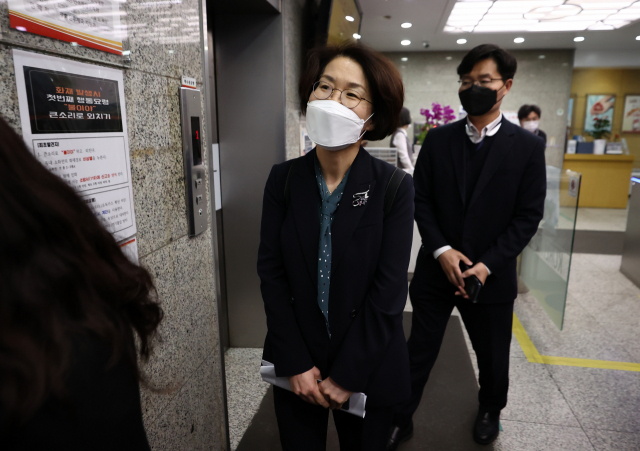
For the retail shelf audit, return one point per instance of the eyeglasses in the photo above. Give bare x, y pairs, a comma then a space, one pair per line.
485, 82
349, 98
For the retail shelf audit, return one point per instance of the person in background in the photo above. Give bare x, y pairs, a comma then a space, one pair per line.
480, 190
529, 117
72, 308
333, 259
400, 140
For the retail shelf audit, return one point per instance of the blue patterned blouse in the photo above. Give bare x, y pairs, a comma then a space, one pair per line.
330, 203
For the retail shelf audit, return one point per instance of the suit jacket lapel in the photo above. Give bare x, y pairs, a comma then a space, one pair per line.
305, 201
457, 146
347, 216
502, 143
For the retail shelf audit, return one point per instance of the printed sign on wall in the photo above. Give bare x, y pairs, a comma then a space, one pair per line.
74, 119
90, 23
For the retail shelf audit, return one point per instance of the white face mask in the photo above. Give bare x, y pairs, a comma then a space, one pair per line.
532, 126
332, 125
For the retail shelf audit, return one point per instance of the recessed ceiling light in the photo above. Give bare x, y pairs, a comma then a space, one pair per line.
170, 51
21, 28
449, 58
637, 38
578, 39
461, 41
406, 25
75, 44
541, 57
356, 36
404, 59
349, 18
126, 52
405, 42
518, 40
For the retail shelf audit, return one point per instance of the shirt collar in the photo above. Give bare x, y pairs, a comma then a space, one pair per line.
403, 131
475, 136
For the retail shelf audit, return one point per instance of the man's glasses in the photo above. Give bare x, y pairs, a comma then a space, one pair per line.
485, 82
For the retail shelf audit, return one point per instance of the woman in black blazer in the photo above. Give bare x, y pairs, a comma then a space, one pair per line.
333, 266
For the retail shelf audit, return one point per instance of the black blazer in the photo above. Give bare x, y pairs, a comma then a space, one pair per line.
502, 216
367, 350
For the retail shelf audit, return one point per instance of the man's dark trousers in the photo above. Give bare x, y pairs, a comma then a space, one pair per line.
489, 328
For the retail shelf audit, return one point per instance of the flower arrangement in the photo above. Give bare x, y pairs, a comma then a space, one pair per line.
438, 115
601, 127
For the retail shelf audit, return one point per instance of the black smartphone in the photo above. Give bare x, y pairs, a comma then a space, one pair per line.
472, 284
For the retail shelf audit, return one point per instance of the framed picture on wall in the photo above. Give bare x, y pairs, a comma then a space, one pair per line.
631, 115
599, 106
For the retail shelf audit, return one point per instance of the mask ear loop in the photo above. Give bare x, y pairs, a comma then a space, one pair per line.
360, 137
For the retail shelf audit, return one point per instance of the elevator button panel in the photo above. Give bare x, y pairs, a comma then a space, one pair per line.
192, 153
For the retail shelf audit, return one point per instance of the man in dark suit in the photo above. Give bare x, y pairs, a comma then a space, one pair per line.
480, 187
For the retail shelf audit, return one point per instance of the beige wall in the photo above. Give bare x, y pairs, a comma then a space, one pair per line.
606, 81
191, 416
431, 77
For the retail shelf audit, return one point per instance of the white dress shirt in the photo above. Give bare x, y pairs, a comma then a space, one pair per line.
475, 137
400, 143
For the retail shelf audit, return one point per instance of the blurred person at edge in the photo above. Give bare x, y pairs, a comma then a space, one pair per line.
529, 117
400, 140
480, 189
334, 290
71, 308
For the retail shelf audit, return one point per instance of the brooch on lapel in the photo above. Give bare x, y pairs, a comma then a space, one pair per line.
361, 199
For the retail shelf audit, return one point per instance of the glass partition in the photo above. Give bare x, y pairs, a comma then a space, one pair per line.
545, 263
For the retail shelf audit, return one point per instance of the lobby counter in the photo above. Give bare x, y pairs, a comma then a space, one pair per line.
605, 179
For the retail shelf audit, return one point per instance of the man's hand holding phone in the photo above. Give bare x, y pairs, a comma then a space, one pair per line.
450, 262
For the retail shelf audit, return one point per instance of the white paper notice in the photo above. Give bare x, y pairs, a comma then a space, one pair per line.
74, 119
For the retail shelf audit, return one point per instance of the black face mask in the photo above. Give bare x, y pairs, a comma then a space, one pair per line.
477, 100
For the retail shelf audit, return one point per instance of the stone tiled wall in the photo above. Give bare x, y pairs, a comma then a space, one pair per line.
431, 77
189, 415
292, 13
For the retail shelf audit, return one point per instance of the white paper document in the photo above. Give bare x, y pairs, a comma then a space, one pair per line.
355, 405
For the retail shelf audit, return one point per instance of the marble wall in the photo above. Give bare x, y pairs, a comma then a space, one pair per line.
292, 14
189, 414
543, 78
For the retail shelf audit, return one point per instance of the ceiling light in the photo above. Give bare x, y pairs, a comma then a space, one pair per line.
541, 57
406, 25
349, 18
461, 41
170, 51
637, 38
449, 58
518, 40
484, 16
405, 42
404, 59
21, 28
356, 36
126, 53
75, 44
578, 39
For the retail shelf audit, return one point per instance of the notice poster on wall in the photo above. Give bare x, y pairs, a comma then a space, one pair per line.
90, 23
73, 119
631, 115
599, 107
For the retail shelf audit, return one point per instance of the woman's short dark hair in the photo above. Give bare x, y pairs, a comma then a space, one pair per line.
385, 83
506, 62
62, 276
526, 110
405, 117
